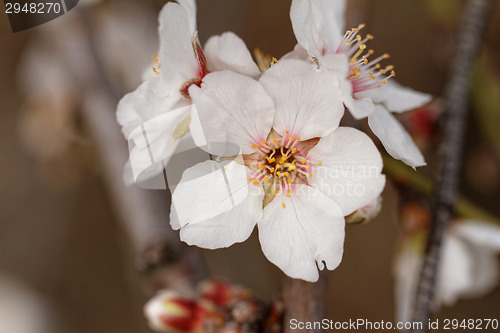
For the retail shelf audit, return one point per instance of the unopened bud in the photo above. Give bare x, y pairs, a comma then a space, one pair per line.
170, 311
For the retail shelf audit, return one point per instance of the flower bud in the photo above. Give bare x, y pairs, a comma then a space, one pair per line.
170, 311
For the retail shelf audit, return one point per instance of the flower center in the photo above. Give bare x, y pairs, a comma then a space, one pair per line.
364, 74
279, 164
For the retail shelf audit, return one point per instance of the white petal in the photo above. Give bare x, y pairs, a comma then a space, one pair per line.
215, 205
484, 273
298, 53
309, 230
177, 58
233, 108
478, 233
395, 97
308, 103
455, 271
190, 7
350, 170
228, 51
318, 24
359, 107
395, 139
406, 273
141, 105
152, 144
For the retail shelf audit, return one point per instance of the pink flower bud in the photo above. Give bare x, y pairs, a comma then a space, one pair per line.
170, 311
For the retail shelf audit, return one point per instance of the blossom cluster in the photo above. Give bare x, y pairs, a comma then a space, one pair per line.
279, 157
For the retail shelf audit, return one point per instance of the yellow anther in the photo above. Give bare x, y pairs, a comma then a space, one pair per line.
307, 167
393, 73
389, 68
275, 141
319, 163
261, 166
288, 195
256, 182
311, 175
271, 160
284, 206
289, 180
272, 169
154, 70
253, 145
259, 146
384, 81
250, 179
294, 150
285, 174
373, 77
298, 138
377, 66
370, 37
348, 32
291, 138
370, 52
274, 61
275, 192
361, 26
287, 132
278, 173
266, 180
303, 161
263, 142
386, 56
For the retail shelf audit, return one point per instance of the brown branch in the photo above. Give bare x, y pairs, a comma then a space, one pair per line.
471, 31
304, 301
162, 258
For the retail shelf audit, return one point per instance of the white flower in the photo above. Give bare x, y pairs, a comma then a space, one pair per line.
367, 92
156, 116
468, 266
298, 176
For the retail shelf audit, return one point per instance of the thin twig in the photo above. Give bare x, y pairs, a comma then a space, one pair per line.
470, 37
164, 260
304, 302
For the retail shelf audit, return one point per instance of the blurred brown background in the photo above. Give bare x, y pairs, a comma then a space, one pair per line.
59, 234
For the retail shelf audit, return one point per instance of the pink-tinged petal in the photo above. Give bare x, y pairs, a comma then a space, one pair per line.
153, 143
141, 105
228, 51
359, 107
395, 97
177, 58
350, 169
318, 24
190, 8
394, 137
215, 206
308, 102
233, 108
305, 234
481, 234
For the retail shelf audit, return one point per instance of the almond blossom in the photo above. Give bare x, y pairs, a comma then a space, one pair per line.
157, 116
468, 268
297, 175
368, 88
